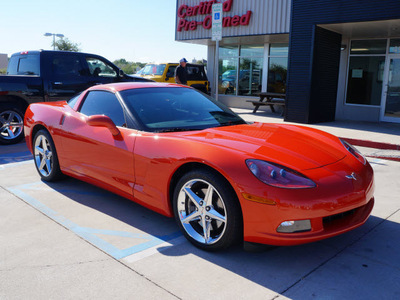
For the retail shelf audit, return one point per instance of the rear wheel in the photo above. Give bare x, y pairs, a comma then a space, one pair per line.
45, 156
11, 125
207, 210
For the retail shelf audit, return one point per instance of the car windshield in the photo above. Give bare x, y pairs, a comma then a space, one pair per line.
177, 109
153, 69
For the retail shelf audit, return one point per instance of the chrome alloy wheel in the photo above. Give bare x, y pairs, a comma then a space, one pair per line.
202, 211
11, 124
43, 155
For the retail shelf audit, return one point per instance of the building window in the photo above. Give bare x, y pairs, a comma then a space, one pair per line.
366, 66
241, 69
277, 68
228, 65
394, 47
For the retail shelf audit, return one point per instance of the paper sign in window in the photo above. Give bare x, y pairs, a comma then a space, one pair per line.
357, 73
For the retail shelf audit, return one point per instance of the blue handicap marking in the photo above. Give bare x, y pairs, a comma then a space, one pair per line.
91, 234
15, 157
217, 16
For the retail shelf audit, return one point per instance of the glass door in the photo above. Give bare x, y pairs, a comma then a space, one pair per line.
391, 111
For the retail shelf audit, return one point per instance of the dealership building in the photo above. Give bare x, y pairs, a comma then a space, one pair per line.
334, 59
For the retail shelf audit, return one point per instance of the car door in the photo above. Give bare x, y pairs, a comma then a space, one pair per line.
100, 71
67, 76
170, 74
92, 151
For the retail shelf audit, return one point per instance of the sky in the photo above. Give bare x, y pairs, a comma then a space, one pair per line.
137, 30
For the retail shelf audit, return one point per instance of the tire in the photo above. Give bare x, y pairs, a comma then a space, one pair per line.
202, 199
45, 157
11, 125
200, 87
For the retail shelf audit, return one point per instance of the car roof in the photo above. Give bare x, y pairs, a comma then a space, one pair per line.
122, 86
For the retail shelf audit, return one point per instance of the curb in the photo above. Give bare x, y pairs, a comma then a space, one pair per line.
385, 157
377, 145
371, 144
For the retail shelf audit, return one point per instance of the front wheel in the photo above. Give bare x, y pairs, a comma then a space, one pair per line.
207, 210
11, 125
45, 156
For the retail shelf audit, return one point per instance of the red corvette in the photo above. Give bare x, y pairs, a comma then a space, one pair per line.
175, 151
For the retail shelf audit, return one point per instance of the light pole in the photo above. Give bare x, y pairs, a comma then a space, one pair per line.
54, 37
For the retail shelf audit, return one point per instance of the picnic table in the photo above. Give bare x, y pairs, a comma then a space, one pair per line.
271, 100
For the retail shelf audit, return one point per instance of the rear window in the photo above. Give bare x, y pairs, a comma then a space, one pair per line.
24, 65
196, 72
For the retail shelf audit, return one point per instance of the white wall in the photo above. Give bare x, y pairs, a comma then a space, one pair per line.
267, 17
3, 61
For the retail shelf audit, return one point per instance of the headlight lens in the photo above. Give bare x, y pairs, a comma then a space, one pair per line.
225, 84
357, 154
278, 176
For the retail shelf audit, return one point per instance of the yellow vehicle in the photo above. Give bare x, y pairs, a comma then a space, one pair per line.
165, 72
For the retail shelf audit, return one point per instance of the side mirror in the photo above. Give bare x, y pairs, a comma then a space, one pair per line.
103, 121
121, 73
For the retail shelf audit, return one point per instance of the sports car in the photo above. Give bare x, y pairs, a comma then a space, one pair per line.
180, 153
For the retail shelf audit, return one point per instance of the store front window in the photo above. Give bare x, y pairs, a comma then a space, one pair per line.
394, 47
228, 65
366, 67
240, 70
277, 68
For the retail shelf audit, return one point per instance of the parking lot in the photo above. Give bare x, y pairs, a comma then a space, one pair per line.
72, 240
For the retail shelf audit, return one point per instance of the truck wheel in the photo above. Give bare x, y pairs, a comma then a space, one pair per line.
11, 125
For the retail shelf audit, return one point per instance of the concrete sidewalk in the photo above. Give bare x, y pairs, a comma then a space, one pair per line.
380, 140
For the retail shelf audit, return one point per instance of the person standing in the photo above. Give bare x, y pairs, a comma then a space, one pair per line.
181, 72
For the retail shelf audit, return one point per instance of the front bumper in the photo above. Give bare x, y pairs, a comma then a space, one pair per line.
335, 206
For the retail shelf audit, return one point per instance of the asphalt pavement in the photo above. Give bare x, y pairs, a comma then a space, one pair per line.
70, 240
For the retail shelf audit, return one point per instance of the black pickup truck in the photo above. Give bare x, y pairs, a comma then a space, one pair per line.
37, 76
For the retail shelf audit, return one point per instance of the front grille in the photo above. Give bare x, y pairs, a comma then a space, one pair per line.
329, 219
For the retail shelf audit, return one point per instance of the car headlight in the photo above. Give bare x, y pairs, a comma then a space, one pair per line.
225, 84
357, 154
278, 176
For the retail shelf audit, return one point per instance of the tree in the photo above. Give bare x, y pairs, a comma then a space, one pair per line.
201, 62
127, 66
64, 44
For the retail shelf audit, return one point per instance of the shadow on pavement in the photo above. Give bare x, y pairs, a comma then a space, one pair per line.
338, 264
14, 153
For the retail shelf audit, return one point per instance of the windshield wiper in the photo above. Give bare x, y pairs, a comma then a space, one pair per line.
231, 123
177, 129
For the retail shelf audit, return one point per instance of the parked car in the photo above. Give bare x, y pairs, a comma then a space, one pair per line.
35, 76
179, 153
249, 83
165, 72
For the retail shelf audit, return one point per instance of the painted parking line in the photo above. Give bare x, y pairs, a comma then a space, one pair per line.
15, 164
15, 157
377, 163
91, 234
154, 250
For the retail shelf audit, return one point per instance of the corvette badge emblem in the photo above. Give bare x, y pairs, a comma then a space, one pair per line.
352, 176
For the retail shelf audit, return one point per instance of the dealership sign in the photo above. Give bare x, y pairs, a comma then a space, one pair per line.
205, 8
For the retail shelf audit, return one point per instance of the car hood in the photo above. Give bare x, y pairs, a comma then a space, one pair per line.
154, 77
297, 147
